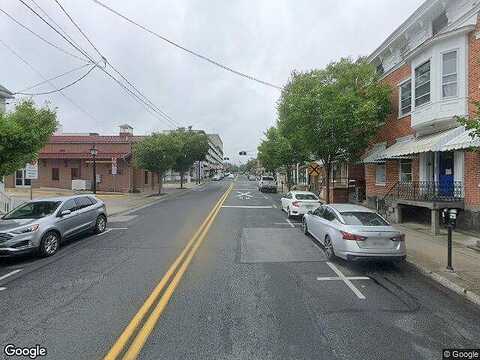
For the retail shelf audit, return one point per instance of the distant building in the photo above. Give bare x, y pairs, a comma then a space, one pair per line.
215, 154
4, 95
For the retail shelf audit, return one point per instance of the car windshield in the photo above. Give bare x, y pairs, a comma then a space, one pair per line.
33, 210
363, 218
267, 178
306, 197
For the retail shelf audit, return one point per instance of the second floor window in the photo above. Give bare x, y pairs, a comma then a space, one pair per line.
449, 74
422, 84
405, 98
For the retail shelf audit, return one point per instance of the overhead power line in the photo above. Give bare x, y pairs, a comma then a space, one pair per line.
34, 69
139, 96
63, 87
76, 46
54, 78
42, 38
191, 52
71, 42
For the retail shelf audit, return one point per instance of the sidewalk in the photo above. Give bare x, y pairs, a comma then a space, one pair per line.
116, 202
429, 255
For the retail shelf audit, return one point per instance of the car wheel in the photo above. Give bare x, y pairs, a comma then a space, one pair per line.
100, 224
49, 244
305, 227
328, 248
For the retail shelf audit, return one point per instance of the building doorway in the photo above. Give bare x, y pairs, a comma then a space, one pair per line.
445, 173
20, 180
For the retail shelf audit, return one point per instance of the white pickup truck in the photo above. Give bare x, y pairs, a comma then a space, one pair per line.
267, 183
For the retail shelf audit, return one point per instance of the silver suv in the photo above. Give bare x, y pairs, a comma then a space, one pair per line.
42, 224
267, 183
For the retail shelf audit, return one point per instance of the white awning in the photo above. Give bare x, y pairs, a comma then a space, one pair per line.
421, 144
375, 153
462, 141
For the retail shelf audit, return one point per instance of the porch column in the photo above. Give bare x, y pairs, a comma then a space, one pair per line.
435, 220
397, 213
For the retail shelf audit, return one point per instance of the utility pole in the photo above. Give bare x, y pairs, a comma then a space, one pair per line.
93, 152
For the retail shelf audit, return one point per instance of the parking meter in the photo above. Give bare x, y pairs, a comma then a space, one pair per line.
449, 217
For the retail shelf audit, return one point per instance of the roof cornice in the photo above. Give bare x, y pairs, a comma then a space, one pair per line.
403, 27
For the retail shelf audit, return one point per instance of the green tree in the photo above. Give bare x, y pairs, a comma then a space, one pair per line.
23, 132
194, 147
157, 153
333, 113
473, 123
278, 152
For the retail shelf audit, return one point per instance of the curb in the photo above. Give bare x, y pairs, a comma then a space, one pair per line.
469, 295
156, 201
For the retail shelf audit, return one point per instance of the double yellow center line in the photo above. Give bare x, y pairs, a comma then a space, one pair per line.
143, 328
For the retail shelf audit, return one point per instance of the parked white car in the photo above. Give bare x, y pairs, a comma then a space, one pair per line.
297, 203
354, 232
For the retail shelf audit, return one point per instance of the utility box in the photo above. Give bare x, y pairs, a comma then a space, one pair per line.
80, 184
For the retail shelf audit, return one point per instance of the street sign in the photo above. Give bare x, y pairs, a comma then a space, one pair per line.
314, 169
114, 166
31, 170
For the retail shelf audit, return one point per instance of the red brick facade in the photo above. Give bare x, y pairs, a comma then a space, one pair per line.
396, 127
66, 158
472, 158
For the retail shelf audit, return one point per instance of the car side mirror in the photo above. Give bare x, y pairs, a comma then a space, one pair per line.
65, 212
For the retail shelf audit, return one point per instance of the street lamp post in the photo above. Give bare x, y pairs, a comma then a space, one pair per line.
93, 152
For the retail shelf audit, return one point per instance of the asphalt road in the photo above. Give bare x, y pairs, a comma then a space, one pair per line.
250, 291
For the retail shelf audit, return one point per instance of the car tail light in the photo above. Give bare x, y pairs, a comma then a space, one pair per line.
296, 204
349, 236
400, 237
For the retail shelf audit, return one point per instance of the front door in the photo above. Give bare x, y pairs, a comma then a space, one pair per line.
445, 174
20, 180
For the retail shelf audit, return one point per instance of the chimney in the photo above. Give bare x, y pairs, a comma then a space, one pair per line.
126, 130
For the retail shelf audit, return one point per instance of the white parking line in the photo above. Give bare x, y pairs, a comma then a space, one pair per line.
10, 274
105, 232
124, 228
290, 223
346, 280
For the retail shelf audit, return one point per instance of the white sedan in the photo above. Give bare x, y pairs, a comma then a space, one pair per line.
298, 203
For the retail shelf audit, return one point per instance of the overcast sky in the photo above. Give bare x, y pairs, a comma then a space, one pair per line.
267, 39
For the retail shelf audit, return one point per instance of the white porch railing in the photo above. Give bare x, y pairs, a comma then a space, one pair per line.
8, 203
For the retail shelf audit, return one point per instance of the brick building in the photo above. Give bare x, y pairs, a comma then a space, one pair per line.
67, 157
422, 160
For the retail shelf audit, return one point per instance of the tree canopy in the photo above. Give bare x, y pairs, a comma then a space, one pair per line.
157, 153
333, 113
23, 132
277, 152
193, 147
